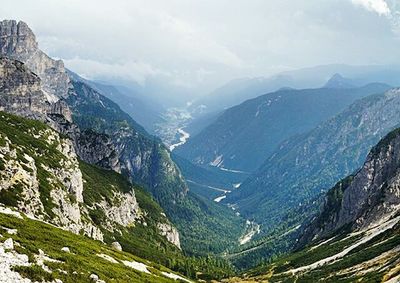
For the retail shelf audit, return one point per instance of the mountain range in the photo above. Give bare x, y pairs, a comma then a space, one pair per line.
236, 91
305, 165
244, 136
296, 185
98, 133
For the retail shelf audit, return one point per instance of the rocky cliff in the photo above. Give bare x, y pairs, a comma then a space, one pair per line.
17, 41
365, 199
40, 175
21, 90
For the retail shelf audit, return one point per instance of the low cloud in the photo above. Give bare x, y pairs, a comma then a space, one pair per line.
130, 71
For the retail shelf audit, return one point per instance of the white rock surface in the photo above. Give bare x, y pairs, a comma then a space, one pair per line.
107, 257
136, 265
170, 232
9, 259
116, 246
65, 249
8, 244
174, 276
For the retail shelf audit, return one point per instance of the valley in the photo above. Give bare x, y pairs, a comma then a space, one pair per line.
208, 142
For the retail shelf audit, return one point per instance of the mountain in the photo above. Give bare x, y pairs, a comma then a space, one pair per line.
245, 135
146, 112
366, 198
306, 165
239, 90
104, 135
42, 176
356, 236
337, 81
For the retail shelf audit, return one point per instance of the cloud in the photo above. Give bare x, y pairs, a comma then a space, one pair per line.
377, 6
203, 44
130, 70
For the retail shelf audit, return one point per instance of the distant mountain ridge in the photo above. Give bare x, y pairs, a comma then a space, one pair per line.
242, 137
238, 90
337, 81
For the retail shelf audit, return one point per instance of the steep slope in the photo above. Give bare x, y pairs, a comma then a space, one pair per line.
356, 237
245, 135
34, 251
146, 113
26, 96
367, 198
305, 165
125, 146
42, 176
147, 161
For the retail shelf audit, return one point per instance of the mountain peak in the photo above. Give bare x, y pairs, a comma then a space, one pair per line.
338, 81
17, 41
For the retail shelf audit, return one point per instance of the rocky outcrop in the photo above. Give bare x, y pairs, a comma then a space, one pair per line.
20, 91
124, 210
48, 192
17, 41
97, 149
370, 197
170, 233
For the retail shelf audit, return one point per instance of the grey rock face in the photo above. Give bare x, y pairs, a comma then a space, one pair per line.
20, 91
17, 41
370, 197
170, 233
97, 149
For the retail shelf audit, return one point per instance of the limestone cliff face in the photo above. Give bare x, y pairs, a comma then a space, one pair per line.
41, 176
49, 192
20, 91
17, 41
170, 232
98, 149
369, 197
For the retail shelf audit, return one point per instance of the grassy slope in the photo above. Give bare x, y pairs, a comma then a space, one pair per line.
138, 239
343, 270
33, 235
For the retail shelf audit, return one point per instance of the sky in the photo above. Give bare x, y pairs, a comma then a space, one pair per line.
198, 45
